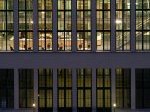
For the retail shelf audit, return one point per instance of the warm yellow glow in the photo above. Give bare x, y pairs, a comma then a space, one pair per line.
33, 105
118, 21
114, 105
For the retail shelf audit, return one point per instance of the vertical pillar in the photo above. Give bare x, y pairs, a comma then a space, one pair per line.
74, 90
55, 90
113, 87
113, 25
16, 89
36, 89
16, 39
35, 25
93, 24
133, 90
54, 12
133, 25
93, 90
74, 26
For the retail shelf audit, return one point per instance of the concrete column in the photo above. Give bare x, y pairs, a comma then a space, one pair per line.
113, 87
94, 90
113, 25
133, 90
74, 26
133, 25
54, 90
93, 25
16, 39
74, 90
35, 25
16, 89
54, 12
36, 89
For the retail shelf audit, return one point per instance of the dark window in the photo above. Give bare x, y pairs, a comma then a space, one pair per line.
45, 96
123, 88
103, 90
142, 88
26, 97
6, 88
64, 90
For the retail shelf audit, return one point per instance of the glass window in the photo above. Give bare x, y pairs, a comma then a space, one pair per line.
25, 25
6, 88
64, 90
45, 25
123, 88
142, 88
84, 90
45, 88
103, 25
103, 89
26, 97
64, 25
83, 25
123, 25
6, 25
142, 25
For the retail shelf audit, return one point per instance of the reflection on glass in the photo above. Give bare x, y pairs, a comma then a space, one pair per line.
123, 25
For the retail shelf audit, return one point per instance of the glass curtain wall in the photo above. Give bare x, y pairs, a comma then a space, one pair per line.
45, 90
103, 90
123, 88
25, 25
26, 97
123, 25
6, 25
45, 24
64, 25
142, 88
84, 90
142, 25
103, 25
64, 90
6, 88
83, 25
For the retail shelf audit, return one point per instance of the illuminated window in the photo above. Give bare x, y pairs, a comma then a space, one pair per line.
103, 25
64, 25
84, 90
123, 25
83, 25
25, 25
142, 25
103, 85
6, 25
45, 92
45, 24
64, 90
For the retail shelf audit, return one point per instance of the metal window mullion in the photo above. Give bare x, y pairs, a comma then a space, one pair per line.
133, 88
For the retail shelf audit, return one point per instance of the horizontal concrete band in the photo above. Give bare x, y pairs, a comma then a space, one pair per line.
74, 60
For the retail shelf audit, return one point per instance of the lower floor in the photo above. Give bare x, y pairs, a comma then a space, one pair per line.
75, 89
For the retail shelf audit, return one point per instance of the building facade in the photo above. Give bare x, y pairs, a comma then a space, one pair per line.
74, 55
